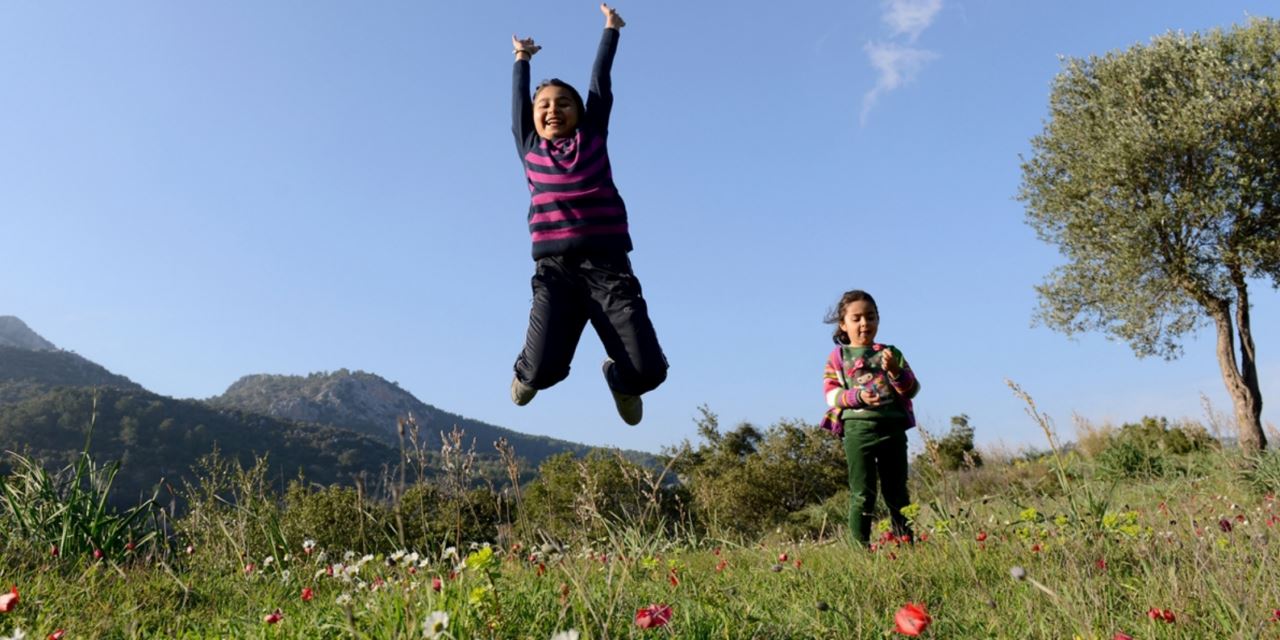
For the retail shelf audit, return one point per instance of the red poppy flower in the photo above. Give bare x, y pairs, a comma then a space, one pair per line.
9, 600
273, 617
437, 583
911, 619
56, 635
1120, 635
1275, 615
653, 616
782, 557
1101, 564
982, 536
1161, 614
53, 552
722, 564
1225, 525
307, 594
97, 554
671, 577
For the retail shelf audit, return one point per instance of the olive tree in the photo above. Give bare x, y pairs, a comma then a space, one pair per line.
1157, 175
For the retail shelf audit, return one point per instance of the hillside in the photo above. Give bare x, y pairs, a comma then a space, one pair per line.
371, 405
156, 438
16, 333
25, 373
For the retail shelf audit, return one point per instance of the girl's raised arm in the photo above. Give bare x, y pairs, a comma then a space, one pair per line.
521, 101
600, 93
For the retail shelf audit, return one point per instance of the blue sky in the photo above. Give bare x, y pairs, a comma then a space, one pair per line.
191, 192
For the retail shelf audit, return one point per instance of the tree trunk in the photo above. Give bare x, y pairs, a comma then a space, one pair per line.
1242, 387
1248, 365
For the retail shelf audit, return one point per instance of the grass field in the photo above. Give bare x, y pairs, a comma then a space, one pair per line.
1189, 554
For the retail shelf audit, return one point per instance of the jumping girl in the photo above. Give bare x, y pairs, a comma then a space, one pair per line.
580, 240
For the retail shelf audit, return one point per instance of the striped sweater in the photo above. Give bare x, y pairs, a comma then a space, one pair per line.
574, 206
850, 370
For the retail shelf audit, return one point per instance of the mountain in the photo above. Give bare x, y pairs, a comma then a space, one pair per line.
25, 373
155, 437
328, 427
16, 333
369, 404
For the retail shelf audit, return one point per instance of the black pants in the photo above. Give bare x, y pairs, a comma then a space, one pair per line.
568, 291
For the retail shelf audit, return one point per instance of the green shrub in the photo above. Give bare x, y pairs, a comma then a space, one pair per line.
1262, 473
336, 518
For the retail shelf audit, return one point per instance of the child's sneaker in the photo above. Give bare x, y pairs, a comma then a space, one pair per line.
521, 393
630, 408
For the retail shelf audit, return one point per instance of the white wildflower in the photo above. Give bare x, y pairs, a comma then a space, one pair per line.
435, 624
343, 599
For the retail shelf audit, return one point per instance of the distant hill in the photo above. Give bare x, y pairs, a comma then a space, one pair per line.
330, 427
16, 333
158, 437
25, 373
369, 404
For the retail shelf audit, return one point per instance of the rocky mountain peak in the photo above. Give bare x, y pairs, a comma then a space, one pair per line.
15, 333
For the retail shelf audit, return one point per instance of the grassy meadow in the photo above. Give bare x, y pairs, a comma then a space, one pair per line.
1075, 542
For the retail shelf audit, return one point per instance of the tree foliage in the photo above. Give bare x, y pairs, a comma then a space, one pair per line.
1157, 176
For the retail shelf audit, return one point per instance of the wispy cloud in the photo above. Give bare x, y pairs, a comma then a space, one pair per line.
911, 17
897, 66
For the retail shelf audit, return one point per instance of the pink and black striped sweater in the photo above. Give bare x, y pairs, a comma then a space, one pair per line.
574, 206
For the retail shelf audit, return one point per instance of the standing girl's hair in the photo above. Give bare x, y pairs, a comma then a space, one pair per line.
835, 315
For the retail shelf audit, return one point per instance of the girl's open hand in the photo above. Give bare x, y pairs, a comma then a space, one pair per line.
611, 18
526, 45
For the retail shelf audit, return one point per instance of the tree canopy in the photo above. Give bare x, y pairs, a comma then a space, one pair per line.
1157, 176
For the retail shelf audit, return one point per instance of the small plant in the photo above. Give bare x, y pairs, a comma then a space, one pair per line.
67, 510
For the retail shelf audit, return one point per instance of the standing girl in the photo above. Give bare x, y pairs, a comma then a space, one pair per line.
869, 387
580, 240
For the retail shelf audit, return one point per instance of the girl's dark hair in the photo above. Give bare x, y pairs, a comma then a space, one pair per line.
573, 93
837, 314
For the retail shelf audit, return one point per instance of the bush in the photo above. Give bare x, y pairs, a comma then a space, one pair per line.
337, 518
1147, 448
1262, 474
1129, 459
573, 498
745, 482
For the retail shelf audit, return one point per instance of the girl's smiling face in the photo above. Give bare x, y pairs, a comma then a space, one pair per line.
555, 113
859, 321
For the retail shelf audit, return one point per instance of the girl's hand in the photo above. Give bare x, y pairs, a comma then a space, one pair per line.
890, 364
869, 398
526, 46
611, 18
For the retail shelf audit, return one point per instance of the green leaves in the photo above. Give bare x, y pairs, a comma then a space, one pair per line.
1156, 172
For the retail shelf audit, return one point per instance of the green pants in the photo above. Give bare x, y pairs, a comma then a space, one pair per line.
876, 451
